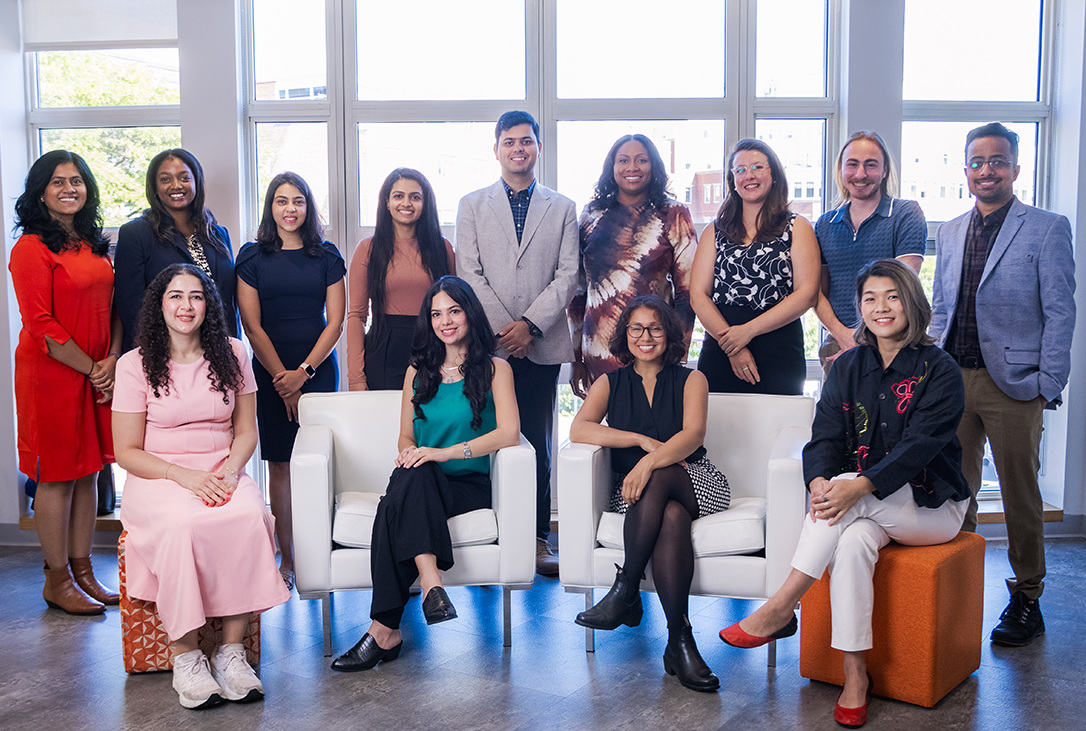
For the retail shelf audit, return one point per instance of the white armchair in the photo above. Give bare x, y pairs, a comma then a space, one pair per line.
744, 552
339, 469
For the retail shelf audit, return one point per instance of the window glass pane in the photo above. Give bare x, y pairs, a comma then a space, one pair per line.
289, 50
300, 147
693, 151
456, 157
441, 50
933, 166
643, 50
123, 77
972, 49
800, 144
798, 28
118, 157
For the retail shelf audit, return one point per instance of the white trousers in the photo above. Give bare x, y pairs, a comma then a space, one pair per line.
850, 549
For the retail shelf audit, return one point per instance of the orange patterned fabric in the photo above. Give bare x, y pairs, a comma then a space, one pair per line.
927, 622
146, 648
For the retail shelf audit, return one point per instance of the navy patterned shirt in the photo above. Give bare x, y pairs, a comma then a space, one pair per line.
518, 202
896, 426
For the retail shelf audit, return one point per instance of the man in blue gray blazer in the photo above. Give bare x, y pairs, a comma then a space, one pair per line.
517, 246
1004, 308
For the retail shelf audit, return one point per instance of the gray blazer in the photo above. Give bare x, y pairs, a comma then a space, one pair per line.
1025, 301
535, 279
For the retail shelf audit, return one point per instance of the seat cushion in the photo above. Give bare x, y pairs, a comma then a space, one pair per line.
352, 525
738, 530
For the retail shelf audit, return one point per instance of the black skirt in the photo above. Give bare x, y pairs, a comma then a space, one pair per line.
778, 355
388, 352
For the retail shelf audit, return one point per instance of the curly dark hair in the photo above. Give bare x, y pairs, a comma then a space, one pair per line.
311, 231
435, 258
34, 218
673, 330
773, 217
161, 221
606, 191
428, 352
153, 337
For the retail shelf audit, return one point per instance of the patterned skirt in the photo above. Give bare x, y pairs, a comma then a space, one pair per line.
710, 488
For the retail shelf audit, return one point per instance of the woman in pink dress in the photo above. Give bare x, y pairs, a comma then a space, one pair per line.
200, 538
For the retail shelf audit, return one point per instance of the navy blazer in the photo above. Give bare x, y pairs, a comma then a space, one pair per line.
139, 258
1025, 301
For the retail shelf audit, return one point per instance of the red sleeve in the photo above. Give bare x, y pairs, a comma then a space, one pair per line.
32, 276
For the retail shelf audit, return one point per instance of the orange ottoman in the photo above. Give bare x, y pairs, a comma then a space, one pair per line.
926, 625
146, 646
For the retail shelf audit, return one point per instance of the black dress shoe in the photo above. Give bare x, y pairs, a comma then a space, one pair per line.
1020, 623
437, 607
682, 659
365, 655
622, 605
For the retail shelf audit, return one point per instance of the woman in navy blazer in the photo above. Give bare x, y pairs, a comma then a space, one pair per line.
176, 229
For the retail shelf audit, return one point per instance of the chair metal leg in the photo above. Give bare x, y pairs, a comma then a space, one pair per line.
507, 617
326, 621
589, 633
772, 654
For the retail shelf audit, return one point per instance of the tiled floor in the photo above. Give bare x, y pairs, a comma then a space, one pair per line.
60, 672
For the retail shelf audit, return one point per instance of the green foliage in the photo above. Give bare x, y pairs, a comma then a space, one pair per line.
118, 156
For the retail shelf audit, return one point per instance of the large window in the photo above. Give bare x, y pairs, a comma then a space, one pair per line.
115, 107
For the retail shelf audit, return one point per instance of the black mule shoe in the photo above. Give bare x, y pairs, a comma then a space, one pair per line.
615, 609
682, 659
437, 607
365, 655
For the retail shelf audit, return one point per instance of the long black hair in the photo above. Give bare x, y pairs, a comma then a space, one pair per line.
428, 352
311, 231
153, 337
32, 216
606, 190
773, 217
435, 259
159, 217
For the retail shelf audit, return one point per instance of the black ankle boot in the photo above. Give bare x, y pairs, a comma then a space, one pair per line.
622, 605
682, 658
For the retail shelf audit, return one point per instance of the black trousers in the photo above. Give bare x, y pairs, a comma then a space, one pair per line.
388, 351
536, 388
412, 519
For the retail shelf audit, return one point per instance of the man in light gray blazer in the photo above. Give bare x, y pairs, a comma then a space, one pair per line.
517, 246
1004, 308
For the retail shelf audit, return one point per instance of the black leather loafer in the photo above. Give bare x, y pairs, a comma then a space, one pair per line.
365, 655
437, 607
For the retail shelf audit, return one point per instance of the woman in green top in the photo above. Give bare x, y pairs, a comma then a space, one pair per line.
458, 406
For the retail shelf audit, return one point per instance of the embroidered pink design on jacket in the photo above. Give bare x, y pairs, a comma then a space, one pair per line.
904, 392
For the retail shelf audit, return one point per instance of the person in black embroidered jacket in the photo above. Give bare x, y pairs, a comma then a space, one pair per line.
883, 463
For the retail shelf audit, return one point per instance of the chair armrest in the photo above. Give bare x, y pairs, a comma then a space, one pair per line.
786, 503
584, 492
512, 485
312, 500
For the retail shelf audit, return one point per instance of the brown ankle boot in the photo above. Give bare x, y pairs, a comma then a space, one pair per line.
61, 593
83, 573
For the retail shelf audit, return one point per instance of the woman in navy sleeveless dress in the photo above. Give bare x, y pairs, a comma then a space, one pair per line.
287, 280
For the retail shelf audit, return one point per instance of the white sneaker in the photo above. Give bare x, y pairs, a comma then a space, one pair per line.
192, 680
235, 676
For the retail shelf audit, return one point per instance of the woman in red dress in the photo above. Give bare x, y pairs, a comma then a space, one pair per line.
64, 367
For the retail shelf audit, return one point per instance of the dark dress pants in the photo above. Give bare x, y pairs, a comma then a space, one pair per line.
536, 387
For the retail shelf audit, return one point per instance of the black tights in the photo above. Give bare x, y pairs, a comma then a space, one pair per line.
658, 527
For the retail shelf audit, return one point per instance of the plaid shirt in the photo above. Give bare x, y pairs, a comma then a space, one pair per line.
519, 203
963, 340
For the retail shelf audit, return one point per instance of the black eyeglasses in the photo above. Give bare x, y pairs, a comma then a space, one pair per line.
996, 164
636, 331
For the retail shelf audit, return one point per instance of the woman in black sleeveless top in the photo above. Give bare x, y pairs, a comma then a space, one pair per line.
656, 411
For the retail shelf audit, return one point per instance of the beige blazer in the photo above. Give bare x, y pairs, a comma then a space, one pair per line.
535, 279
